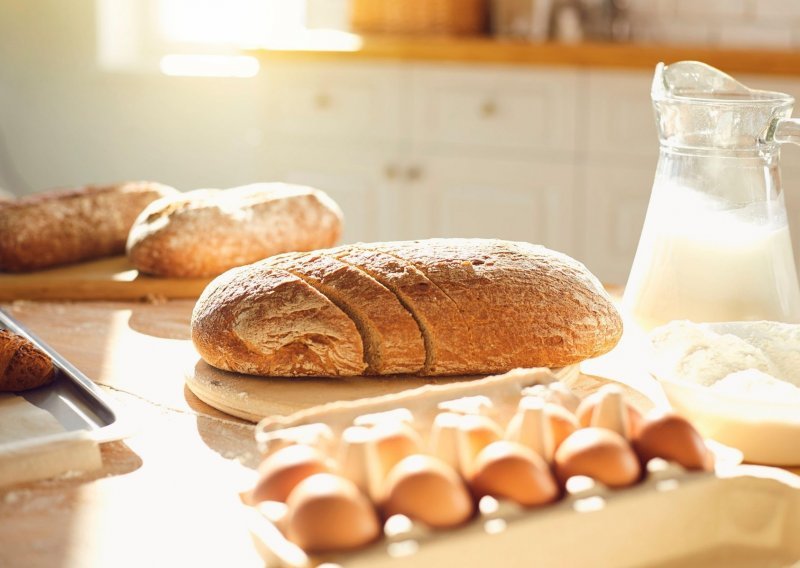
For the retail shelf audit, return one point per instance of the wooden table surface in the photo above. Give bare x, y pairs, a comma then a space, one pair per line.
167, 494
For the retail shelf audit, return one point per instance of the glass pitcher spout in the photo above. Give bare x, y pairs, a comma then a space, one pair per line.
715, 245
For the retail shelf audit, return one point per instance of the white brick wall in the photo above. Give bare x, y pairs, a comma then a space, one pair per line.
732, 23
755, 33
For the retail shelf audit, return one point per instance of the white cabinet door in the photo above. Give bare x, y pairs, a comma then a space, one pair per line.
617, 116
621, 144
357, 180
615, 202
505, 199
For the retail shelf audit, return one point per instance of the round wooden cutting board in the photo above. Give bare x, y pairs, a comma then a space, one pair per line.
253, 398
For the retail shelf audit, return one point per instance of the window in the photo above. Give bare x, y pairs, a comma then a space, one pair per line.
192, 37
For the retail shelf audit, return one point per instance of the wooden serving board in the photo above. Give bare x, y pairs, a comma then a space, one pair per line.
253, 398
106, 279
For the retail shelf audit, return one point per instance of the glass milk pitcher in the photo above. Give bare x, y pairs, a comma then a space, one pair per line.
715, 244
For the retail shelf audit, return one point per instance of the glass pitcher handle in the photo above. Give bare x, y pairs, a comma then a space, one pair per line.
783, 130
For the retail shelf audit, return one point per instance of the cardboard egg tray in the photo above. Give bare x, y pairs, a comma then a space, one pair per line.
736, 516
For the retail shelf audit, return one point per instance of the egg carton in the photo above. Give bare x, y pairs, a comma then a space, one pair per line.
735, 516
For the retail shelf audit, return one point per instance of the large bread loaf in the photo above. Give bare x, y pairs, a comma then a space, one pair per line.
71, 225
208, 231
480, 306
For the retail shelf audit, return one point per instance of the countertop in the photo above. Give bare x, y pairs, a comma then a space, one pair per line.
167, 495
342, 46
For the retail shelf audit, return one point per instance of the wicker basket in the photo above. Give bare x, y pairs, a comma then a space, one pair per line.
456, 17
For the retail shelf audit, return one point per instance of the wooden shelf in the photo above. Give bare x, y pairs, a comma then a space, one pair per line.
487, 50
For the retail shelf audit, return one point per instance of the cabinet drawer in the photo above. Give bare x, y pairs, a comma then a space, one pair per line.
355, 102
486, 108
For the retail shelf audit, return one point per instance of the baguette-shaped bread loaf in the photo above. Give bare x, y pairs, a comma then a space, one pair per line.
482, 306
71, 225
208, 231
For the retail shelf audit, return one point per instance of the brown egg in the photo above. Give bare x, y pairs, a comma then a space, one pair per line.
279, 473
673, 438
598, 453
327, 513
427, 490
562, 423
508, 470
588, 416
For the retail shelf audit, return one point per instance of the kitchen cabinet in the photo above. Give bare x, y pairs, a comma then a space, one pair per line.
493, 111
615, 200
415, 152
335, 104
557, 156
620, 149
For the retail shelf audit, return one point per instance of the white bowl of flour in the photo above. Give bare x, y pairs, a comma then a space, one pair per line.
739, 382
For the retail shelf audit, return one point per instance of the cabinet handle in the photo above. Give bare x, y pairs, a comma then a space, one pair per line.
488, 109
322, 101
413, 173
390, 171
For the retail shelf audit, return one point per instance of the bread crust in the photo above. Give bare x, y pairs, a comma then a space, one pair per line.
262, 320
438, 317
523, 305
203, 233
483, 306
392, 340
71, 225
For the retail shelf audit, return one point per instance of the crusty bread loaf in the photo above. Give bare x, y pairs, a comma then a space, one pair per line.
71, 225
482, 306
206, 232
22, 365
